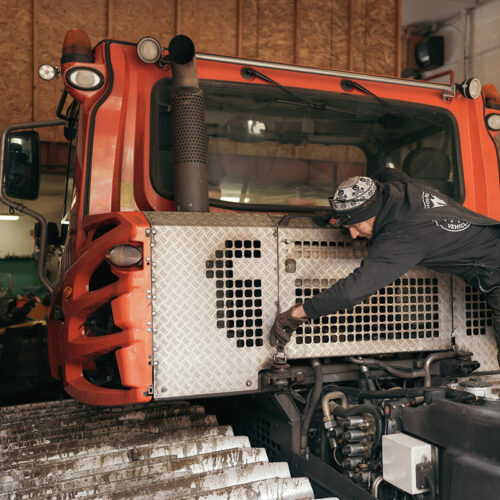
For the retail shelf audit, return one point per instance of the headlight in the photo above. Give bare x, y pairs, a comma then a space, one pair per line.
149, 49
84, 78
493, 122
124, 256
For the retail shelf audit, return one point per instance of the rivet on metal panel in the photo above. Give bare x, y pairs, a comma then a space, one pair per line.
148, 296
152, 244
148, 323
148, 231
154, 297
153, 313
154, 264
163, 389
148, 291
155, 363
149, 329
155, 349
153, 279
249, 383
148, 258
155, 330
154, 231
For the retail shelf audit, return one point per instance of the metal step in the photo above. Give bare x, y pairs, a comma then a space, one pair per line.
163, 450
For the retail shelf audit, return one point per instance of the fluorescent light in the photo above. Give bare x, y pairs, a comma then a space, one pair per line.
9, 217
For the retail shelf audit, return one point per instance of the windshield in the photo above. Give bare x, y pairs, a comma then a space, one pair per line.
268, 150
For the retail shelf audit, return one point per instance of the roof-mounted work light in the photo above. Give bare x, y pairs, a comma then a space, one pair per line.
149, 49
48, 72
472, 88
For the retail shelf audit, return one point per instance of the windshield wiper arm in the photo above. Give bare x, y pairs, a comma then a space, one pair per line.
348, 85
296, 99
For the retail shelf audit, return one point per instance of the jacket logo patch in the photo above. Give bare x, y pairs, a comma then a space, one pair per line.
453, 225
432, 201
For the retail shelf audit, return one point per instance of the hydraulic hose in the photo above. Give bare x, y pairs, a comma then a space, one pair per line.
424, 372
452, 394
325, 402
313, 402
339, 411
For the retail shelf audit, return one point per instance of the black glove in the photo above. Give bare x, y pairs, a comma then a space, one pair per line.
284, 326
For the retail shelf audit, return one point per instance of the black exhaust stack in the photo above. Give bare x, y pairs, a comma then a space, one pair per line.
189, 135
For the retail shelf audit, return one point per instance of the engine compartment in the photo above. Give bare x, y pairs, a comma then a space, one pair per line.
359, 431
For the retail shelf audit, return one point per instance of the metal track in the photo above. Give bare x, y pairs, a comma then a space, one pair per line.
65, 449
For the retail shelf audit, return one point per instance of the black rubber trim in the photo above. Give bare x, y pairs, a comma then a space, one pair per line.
66, 58
120, 42
60, 106
489, 132
93, 114
459, 162
77, 68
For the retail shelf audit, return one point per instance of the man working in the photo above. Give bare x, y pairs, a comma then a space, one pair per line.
411, 223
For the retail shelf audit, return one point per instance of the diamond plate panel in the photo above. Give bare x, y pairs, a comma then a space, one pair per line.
209, 219
214, 290
473, 325
412, 314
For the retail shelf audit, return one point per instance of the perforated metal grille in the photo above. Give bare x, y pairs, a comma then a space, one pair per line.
477, 312
407, 309
316, 249
238, 301
260, 435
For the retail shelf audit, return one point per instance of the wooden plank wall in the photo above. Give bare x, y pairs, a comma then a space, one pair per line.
358, 35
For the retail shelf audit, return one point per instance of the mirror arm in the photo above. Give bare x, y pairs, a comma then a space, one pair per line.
20, 207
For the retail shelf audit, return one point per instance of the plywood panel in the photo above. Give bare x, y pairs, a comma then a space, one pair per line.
130, 20
314, 32
276, 30
211, 24
16, 58
381, 23
249, 42
339, 50
358, 34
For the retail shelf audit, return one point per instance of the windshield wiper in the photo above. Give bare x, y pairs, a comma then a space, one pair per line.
318, 106
296, 99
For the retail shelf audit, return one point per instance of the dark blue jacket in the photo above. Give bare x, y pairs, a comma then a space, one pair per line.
417, 225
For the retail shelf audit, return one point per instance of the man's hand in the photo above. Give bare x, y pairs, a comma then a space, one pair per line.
286, 323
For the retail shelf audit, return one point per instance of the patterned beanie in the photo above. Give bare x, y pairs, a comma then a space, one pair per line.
356, 199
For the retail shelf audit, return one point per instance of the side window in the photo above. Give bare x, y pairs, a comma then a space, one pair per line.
430, 159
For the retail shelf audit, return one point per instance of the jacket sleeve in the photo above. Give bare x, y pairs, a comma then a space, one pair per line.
390, 257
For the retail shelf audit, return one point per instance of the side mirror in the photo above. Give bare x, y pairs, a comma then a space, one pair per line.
22, 165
